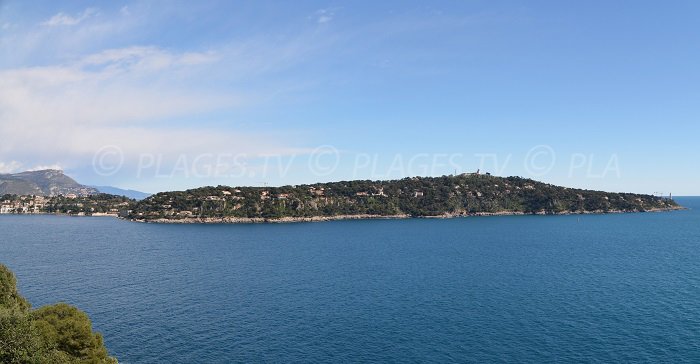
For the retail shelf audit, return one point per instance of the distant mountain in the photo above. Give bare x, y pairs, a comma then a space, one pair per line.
136, 195
48, 182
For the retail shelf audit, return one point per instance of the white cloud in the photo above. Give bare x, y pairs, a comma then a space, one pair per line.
122, 97
142, 99
10, 167
113, 87
62, 19
147, 58
324, 16
44, 166
15, 166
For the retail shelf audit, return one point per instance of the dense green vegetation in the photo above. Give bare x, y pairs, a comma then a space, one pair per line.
465, 194
52, 334
99, 203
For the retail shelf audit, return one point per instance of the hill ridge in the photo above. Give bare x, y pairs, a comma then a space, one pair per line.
45, 182
460, 195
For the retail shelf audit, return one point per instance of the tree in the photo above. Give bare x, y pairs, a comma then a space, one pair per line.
58, 333
9, 297
19, 341
65, 328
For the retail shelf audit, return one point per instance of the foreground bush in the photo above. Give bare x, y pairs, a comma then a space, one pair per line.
57, 333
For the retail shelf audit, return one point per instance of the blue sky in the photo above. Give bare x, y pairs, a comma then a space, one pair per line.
171, 95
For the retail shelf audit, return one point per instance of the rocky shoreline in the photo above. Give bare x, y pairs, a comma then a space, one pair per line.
261, 220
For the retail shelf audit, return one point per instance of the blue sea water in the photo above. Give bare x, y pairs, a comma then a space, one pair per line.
594, 288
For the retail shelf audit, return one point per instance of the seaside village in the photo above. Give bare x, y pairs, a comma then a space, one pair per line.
24, 205
70, 204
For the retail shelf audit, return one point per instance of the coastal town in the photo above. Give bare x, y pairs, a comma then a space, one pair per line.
22, 205
70, 204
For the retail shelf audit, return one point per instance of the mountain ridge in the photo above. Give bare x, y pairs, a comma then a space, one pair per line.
54, 182
116, 191
47, 182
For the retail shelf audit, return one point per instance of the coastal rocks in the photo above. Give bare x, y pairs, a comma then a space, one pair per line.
259, 220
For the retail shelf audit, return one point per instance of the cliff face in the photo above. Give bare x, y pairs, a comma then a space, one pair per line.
49, 182
410, 197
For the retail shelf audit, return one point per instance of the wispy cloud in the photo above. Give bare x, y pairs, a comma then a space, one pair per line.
15, 166
143, 98
87, 102
147, 58
62, 19
44, 166
62, 114
10, 167
324, 16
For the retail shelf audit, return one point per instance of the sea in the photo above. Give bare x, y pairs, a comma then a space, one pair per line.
515, 289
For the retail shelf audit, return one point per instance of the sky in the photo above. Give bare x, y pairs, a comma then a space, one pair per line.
170, 95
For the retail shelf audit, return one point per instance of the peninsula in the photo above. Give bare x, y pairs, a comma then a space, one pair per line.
447, 196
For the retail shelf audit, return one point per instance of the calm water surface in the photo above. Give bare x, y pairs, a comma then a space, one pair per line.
603, 288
